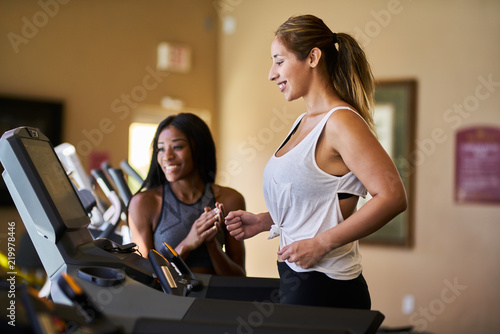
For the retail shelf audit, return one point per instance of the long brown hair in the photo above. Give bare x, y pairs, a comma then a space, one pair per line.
347, 67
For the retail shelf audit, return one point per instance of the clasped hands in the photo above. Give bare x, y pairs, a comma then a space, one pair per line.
206, 227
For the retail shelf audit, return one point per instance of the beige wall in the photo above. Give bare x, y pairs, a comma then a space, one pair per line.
445, 46
91, 53
100, 58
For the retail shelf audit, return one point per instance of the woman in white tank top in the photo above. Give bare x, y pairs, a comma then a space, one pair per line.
330, 157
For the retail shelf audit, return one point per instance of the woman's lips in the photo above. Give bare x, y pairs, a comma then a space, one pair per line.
282, 86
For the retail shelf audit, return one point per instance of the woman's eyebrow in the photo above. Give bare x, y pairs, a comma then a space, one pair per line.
173, 140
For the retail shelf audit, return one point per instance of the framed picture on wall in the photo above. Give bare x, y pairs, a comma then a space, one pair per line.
394, 116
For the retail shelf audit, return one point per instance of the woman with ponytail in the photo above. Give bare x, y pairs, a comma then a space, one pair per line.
330, 158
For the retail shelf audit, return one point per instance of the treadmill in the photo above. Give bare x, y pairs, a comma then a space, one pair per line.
128, 292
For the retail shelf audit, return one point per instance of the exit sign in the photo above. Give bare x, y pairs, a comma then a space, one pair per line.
174, 57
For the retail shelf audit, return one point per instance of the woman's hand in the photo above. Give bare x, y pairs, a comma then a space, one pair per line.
243, 225
219, 218
205, 228
305, 253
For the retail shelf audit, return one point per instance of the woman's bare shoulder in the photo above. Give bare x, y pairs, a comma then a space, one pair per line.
344, 125
147, 198
231, 198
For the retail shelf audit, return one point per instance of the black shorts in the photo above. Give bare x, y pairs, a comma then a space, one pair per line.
313, 288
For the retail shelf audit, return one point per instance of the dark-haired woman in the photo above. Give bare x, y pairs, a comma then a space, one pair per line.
179, 204
329, 159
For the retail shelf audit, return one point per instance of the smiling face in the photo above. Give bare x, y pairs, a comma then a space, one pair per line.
174, 155
290, 74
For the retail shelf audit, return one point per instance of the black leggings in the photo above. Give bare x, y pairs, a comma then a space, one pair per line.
313, 288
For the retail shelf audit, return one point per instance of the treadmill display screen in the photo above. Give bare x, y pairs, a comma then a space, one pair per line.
56, 181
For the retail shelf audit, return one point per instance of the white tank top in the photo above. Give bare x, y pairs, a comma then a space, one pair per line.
303, 201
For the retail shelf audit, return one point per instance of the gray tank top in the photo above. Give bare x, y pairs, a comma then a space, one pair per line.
176, 220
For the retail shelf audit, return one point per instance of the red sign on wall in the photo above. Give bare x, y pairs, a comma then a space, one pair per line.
477, 165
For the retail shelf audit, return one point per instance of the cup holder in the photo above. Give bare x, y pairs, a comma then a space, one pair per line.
102, 276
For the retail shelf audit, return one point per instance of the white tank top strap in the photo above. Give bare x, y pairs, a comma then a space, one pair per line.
348, 108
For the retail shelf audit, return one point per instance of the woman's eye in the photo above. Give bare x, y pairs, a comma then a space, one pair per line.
161, 149
178, 147
279, 63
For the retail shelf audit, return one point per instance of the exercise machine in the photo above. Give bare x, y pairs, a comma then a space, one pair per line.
129, 292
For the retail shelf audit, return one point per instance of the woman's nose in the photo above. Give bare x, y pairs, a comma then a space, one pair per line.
272, 74
170, 153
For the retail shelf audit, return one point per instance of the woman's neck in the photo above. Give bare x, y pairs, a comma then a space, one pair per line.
321, 102
188, 191
321, 97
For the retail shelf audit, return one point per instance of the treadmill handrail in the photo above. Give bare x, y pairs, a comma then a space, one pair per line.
120, 183
131, 171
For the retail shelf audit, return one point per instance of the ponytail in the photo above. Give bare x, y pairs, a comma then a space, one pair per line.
353, 79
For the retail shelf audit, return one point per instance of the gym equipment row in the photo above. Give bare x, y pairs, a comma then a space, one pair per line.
106, 286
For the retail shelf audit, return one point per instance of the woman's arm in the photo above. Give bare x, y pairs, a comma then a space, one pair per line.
366, 158
348, 135
141, 216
